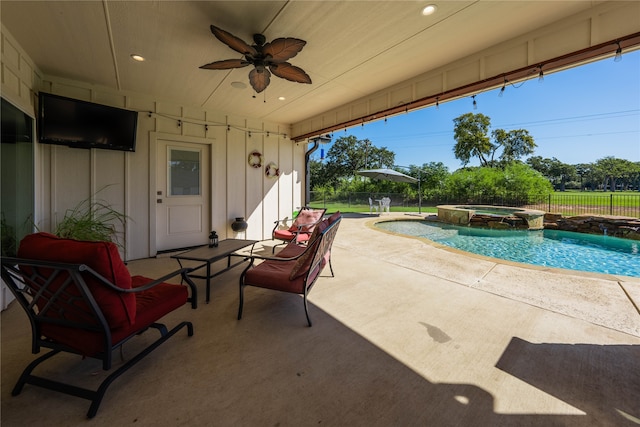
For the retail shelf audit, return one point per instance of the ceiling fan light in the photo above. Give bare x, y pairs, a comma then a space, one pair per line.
137, 57
429, 10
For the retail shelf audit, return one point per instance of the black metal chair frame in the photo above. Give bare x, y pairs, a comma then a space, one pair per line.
33, 283
319, 246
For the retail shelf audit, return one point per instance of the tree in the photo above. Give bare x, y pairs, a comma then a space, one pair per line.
516, 143
432, 174
541, 165
629, 173
470, 132
348, 155
561, 172
472, 140
516, 180
584, 171
613, 169
318, 177
634, 176
554, 170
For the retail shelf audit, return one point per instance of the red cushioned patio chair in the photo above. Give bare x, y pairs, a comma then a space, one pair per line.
81, 299
296, 268
301, 228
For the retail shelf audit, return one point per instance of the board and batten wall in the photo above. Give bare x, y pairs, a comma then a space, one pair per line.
65, 176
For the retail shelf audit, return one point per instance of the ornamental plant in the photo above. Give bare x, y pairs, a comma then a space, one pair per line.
93, 220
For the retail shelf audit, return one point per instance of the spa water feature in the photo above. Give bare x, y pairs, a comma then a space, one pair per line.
501, 217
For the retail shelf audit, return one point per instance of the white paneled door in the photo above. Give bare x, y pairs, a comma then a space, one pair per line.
182, 194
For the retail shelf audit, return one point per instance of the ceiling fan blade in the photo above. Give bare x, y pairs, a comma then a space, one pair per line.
232, 41
226, 64
259, 79
290, 72
283, 49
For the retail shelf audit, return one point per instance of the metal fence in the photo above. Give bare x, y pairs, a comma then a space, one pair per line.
623, 204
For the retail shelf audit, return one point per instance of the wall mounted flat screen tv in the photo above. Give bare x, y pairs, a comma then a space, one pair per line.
82, 124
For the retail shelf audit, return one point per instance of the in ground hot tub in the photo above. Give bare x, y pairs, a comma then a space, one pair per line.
492, 216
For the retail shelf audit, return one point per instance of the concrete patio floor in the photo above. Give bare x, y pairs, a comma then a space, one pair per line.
406, 334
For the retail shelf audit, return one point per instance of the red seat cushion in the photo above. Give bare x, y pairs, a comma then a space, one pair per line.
288, 236
275, 275
291, 250
283, 235
154, 303
119, 309
151, 305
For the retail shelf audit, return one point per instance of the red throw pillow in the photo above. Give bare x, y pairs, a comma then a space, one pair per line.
304, 262
307, 216
118, 308
333, 218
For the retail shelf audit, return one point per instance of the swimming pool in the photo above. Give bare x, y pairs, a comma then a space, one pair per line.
550, 248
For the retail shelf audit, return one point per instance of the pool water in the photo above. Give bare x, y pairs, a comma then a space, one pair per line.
551, 248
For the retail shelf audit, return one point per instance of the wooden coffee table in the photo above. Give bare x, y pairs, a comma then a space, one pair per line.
208, 256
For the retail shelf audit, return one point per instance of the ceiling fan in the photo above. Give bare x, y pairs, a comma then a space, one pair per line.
266, 58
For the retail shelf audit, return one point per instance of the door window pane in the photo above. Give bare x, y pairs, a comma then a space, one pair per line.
184, 172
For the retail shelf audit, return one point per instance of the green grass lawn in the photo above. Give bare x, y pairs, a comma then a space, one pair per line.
618, 198
623, 199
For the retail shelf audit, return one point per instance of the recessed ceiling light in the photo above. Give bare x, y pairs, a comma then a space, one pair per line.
137, 57
281, 98
238, 85
429, 10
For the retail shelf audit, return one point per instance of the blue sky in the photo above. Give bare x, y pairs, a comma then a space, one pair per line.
577, 116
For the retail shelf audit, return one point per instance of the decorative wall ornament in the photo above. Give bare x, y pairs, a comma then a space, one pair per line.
271, 170
255, 159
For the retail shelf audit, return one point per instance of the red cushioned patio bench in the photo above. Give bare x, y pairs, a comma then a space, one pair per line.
80, 298
296, 268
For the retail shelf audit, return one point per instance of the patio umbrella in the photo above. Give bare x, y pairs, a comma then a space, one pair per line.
391, 175
387, 175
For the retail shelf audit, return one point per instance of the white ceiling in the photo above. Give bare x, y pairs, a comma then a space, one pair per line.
354, 48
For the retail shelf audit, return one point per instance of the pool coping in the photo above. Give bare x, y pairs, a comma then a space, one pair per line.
557, 270
569, 292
